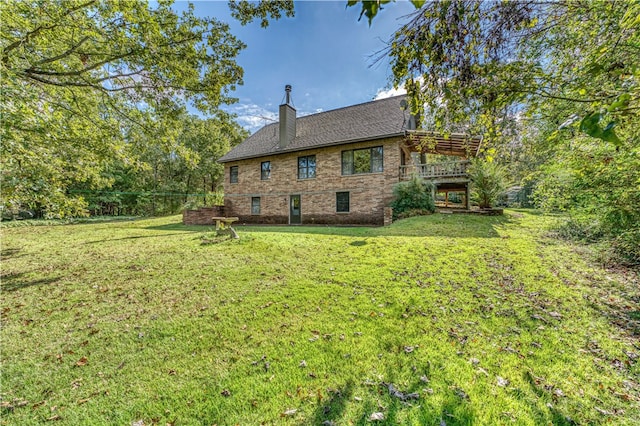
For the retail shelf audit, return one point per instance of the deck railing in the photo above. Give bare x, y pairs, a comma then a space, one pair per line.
435, 170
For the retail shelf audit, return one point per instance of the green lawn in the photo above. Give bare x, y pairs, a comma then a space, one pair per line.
473, 320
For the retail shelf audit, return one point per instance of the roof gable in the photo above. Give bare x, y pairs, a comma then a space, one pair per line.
368, 121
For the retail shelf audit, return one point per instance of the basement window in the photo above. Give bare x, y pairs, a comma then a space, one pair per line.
255, 205
233, 174
307, 167
367, 160
265, 170
342, 202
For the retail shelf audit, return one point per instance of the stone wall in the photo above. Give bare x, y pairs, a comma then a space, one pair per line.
369, 193
202, 216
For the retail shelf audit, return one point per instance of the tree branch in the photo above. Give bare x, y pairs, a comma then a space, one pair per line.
25, 39
63, 54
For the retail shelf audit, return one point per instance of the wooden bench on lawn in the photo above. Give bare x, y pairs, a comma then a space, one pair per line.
223, 226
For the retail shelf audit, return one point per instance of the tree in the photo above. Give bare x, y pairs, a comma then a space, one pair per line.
477, 64
88, 82
489, 182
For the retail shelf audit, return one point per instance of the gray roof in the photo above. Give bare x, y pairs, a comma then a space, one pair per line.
367, 121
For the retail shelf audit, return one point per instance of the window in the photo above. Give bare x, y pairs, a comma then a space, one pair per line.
307, 167
367, 160
265, 170
233, 174
255, 205
342, 202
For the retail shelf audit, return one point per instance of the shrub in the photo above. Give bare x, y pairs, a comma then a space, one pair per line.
489, 182
626, 248
414, 195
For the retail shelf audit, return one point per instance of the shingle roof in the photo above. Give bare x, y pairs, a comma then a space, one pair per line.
367, 121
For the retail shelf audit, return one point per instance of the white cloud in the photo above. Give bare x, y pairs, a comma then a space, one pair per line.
382, 93
252, 116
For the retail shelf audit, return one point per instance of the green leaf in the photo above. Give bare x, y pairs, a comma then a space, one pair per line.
418, 3
621, 103
589, 124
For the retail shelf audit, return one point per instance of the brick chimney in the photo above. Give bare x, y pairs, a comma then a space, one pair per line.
287, 120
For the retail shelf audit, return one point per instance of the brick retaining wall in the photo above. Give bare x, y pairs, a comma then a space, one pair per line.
202, 216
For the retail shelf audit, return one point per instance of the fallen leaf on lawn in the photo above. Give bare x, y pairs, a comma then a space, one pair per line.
474, 361
483, 371
303, 363
376, 417
82, 401
53, 418
82, 361
554, 314
538, 317
604, 412
138, 423
289, 412
225, 392
38, 404
409, 349
172, 372
401, 395
424, 379
501, 381
461, 394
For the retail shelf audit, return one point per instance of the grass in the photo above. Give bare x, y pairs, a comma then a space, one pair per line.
486, 319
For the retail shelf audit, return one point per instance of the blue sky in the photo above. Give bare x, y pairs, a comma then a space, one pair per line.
323, 52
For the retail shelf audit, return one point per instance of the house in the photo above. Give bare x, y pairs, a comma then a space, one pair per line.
338, 166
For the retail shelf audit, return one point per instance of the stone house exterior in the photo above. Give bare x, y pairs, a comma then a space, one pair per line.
333, 167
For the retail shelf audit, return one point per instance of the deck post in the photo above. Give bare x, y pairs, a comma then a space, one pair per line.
466, 196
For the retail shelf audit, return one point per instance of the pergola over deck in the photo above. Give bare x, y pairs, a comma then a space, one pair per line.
450, 176
456, 144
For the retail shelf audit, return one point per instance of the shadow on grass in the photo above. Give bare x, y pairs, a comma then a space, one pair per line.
333, 408
7, 253
436, 225
134, 237
553, 416
180, 227
13, 282
456, 411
